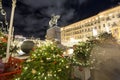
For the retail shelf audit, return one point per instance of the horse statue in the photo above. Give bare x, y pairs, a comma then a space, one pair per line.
53, 21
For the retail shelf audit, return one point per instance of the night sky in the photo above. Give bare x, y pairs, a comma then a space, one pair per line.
32, 16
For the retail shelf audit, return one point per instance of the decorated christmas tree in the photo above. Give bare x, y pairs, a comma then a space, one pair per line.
46, 63
82, 53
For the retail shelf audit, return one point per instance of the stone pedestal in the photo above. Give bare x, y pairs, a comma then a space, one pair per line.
53, 34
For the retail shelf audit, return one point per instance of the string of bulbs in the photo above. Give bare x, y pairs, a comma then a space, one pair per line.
3, 13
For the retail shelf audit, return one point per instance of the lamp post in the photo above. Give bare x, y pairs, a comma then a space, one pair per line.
10, 29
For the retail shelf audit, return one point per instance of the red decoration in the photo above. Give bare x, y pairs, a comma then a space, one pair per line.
12, 67
54, 62
4, 40
1, 66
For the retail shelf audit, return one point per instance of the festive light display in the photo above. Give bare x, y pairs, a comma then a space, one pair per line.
82, 53
46, 63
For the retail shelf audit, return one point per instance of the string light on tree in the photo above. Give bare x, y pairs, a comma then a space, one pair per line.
48, 65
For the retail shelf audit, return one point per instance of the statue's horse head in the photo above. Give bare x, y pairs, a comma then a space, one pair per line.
54, 20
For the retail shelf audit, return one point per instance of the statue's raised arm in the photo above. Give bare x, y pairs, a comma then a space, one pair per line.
53, 21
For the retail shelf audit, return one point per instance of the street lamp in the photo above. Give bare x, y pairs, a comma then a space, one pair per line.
10, 29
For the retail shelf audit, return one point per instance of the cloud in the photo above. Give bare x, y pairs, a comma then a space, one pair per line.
43, 3
32, 16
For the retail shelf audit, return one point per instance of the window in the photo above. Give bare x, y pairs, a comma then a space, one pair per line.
99, 27
108, 18
103, 25
113, 16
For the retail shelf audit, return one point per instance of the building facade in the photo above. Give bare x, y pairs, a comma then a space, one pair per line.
106, 21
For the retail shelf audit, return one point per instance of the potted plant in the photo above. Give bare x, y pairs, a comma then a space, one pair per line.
82, 52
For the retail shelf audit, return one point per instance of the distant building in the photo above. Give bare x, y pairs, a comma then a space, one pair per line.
106, 21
